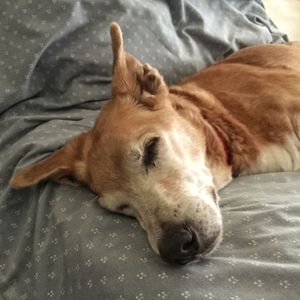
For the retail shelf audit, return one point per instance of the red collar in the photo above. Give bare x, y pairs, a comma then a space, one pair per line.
226, 145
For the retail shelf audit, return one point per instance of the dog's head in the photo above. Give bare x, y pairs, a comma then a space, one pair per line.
145, 157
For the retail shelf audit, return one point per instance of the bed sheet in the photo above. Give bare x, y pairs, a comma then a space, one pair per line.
55, 74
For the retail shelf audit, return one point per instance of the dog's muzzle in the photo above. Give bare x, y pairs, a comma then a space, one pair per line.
183, 243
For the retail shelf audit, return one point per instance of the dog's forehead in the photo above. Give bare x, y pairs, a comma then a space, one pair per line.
128, 120
117, 128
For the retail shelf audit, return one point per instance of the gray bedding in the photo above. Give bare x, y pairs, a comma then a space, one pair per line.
55, 74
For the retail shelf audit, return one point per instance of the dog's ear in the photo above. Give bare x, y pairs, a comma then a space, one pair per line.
130, 77
67, 165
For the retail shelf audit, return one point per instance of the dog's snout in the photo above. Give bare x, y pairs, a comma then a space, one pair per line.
180, 243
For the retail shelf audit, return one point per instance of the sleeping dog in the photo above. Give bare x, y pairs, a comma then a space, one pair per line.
160, 153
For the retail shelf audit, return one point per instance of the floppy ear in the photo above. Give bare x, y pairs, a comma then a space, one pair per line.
130, 77
67, 165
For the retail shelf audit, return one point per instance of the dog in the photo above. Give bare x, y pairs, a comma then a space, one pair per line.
161, 153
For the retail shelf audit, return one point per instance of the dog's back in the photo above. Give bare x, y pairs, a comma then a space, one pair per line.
258, 91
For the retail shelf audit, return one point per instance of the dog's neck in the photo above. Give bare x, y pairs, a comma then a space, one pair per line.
226, 145
229, 144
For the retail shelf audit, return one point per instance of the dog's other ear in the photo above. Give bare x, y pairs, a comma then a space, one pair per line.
130, 77
67, 165
152, 81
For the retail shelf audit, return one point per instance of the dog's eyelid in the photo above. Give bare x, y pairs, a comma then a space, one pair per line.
151, 141
135, 154
150, 151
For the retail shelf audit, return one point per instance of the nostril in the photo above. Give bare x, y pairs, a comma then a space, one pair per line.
191, 244
188, 245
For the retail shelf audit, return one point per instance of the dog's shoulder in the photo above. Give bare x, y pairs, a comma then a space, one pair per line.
268, 56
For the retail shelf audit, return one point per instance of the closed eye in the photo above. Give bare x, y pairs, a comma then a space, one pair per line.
150, 152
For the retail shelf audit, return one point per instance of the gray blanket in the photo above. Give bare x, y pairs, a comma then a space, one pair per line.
55, 72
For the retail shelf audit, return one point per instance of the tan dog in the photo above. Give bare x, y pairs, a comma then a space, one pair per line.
160, 153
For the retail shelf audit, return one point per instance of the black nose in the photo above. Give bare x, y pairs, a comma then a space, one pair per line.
180, 243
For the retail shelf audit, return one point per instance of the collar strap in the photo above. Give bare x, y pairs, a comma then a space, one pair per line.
226, 145
180, 91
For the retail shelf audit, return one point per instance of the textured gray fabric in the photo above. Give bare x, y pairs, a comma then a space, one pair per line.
55, 241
